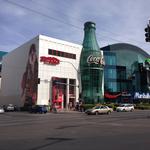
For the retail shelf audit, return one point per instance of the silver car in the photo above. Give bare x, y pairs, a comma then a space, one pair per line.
99, 110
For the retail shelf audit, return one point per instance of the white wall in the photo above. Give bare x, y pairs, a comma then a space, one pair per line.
13, 67
64, 69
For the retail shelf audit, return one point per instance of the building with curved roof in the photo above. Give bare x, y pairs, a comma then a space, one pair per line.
125, 69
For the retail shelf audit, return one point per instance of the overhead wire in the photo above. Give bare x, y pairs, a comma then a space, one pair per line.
41, 14
49, 8
101, 35
104, 37
103, 29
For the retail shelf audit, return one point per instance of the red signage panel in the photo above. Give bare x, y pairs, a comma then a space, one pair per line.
49, 60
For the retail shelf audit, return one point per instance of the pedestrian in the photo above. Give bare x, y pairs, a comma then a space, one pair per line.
81, 107
70, 105
77, 106
54, 108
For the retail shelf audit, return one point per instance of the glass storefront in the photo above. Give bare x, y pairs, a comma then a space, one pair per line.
63, 92
123, 72
110, 72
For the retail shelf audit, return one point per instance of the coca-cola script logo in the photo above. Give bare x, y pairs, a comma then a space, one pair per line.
96, 60
49, 60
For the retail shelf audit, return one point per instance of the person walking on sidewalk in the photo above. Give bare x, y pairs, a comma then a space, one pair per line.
53, 108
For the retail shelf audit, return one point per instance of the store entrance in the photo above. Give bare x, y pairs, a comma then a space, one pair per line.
72, 94
59, 86
63, 93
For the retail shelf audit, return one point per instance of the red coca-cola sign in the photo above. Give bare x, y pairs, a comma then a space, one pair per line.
96, 60
49, 60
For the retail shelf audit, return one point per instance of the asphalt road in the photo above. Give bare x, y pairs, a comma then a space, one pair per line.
75, 131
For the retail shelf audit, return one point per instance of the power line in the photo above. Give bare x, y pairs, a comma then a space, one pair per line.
82, 22
41, 14
73, 18
52, 8
57, 20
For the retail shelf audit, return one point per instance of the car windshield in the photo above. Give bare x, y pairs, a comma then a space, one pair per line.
122, 105
126, 105
96, 107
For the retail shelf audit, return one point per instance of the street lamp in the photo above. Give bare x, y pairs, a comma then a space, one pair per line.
78, 72
71, 64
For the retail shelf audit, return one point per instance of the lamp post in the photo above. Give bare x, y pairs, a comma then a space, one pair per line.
78, 72
71, 64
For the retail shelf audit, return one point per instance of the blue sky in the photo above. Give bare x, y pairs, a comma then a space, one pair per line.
117, 21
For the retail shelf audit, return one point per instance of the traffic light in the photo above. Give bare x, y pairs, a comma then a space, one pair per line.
147, 34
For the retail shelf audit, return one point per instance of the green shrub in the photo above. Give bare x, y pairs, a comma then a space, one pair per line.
88, 106
142, 106
112, 105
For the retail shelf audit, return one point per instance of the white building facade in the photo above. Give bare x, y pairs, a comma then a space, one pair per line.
42, 71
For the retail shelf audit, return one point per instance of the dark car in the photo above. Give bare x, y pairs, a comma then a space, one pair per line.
38, 109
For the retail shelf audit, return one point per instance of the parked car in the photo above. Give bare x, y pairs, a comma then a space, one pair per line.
99, 110
125, 107
38, 109
1, 110
10, 107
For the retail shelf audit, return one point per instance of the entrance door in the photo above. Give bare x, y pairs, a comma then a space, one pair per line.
72, 93
59, 92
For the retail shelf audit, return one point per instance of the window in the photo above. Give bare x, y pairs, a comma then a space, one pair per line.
61, 54
50, 51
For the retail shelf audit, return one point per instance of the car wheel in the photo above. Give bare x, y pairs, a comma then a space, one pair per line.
109, 112
131, 110
96, 113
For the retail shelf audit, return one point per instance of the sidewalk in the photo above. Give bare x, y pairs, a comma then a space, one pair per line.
68, 111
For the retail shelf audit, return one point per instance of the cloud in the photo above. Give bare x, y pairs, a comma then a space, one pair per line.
8, 8
116, 20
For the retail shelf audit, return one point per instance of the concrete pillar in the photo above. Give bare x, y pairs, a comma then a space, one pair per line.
67, 93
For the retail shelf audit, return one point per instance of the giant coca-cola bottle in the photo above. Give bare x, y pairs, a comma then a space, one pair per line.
91, 67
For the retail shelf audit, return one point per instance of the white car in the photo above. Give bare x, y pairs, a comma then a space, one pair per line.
10, 107
125, 107
1, 110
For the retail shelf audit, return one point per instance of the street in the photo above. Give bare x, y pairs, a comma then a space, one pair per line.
75, 131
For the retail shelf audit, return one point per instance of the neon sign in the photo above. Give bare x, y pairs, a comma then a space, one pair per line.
49, 60
143, 95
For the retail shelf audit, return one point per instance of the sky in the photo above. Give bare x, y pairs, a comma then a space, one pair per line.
117, 21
